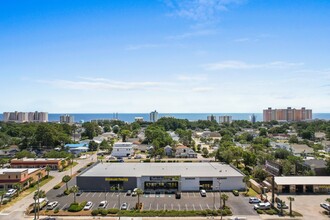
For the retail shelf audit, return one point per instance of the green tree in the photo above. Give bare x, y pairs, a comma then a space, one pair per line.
3, 162
47, 170
263, 132
2, 193
291, 199
205, 152
293, 139
224, 198
92, 146
124, 134
65, 180
139, 192
246, 180
92, 129
74, 189
25, 153
259, 174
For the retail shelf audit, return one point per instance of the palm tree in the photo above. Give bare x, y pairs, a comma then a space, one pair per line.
246, 179
138, 193
74, 189
63, 162
291, 199
2, 193
65, 180
18, 187
47, 170
224, 198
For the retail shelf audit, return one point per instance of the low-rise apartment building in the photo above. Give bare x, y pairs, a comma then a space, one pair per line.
122, 149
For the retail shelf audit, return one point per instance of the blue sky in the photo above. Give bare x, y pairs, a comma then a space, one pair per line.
174, 56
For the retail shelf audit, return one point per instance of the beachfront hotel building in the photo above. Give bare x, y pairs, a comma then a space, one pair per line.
225, 119
154, 116
67, 119
25, 116
288, 114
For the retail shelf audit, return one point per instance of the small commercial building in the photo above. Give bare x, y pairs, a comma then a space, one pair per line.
161, 177
53, 163
122, 149
77, 148
11, 176
302, 184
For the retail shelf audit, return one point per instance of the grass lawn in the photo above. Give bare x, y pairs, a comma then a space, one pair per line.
251, 193
26, 192
69, 167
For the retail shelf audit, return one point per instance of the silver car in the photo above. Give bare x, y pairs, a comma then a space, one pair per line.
88, 205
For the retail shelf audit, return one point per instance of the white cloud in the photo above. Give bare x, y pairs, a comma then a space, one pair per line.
241, 65
202, 89
101, 84
191, 34
192, 78
200, 10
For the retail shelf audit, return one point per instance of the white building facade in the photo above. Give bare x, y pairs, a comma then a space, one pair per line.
122, 149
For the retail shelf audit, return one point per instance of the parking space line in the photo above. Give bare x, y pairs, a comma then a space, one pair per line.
171, 206
179, 207
128, 206
87, 194
150, 207
194, 207
100, 195
114, 205
188, 195
164, 207
106, 195
194, 194
207, 206
186, 206
112, 194
201, 206
157, 206
64, 206
93, 195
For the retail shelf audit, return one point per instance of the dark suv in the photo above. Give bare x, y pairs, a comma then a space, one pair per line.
178, 195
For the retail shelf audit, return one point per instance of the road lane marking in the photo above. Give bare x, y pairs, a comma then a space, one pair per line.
64, 206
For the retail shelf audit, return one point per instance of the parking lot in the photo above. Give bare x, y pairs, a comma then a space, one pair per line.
188, 201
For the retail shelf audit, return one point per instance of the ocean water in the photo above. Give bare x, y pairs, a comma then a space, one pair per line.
129, 117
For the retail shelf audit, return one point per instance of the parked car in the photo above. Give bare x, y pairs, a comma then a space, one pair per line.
178, 195
254, 200
10, 192
129, 192
262, 206
282, 205
103, 204
123, 206
120, 160
325, 206
88, 205
203, 192
134, 192
235, 192
51, 205
79, 193
138, 156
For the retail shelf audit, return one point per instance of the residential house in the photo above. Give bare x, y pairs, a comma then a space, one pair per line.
168, 151
316, 165
122, 149
301, 150
326, 145
77, 148
185, 152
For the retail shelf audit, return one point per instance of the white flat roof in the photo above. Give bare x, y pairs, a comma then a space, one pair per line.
17, 170
162, 169
302, 180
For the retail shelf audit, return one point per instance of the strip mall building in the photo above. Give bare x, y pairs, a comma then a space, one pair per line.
161, 177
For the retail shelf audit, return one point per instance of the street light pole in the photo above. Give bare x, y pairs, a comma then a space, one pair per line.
221, 209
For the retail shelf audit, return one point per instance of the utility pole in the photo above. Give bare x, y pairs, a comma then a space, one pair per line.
38, 194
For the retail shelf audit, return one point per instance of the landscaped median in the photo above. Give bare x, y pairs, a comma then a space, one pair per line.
135, 213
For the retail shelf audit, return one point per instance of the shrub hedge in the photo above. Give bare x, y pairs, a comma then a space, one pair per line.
76, 207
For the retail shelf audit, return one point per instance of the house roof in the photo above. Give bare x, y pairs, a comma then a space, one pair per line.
315, 163
301, 148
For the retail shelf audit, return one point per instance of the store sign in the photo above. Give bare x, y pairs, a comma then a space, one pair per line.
176, 178
324, 187
117, 179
